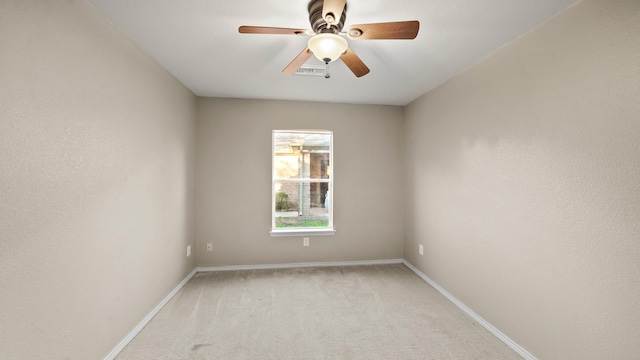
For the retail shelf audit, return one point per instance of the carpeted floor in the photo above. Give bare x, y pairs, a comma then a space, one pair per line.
350, 312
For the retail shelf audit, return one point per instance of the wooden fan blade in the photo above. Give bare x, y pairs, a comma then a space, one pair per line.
273, 30
297, 62
354, 63
389, 31
335, 7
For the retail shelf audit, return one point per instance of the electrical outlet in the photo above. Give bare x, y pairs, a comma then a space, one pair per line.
189, 250
209, 247
305, 241
420, 249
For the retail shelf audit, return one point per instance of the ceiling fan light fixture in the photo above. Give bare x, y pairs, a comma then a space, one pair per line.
327, 47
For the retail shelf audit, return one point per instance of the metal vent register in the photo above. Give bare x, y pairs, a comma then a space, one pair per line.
312, 70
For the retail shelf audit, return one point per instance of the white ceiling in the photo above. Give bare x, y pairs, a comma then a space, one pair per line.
198, 42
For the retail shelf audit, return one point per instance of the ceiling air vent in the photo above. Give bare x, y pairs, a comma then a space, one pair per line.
311, 70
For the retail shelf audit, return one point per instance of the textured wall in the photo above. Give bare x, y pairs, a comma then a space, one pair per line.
523, 185
234, 181
96, 182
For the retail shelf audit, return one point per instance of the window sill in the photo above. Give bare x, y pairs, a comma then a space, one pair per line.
302, 232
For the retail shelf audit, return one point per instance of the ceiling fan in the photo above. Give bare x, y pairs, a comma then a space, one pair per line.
327, 18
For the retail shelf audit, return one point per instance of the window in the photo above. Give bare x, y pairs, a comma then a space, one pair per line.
302, 183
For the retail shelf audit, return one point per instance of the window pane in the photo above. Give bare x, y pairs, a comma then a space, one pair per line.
301, 204
302, 181
302, 155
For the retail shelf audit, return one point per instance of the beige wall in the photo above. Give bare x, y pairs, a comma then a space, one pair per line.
96, 177
523, 185
234, 181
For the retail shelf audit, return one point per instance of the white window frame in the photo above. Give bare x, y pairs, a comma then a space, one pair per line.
301, 231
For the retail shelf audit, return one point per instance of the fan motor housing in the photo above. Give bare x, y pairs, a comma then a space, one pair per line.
319, 24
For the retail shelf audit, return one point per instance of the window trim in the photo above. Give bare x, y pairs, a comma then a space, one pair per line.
302, 232
279, 232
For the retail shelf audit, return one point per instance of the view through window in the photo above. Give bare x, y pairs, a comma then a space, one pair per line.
302, 181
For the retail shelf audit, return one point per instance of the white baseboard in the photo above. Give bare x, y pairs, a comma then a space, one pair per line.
510, 343
112, 355
492, 329
298, 265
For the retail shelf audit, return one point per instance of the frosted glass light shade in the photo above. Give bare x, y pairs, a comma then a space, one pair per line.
327, 46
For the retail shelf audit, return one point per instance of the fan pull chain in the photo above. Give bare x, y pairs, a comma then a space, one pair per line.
326, 71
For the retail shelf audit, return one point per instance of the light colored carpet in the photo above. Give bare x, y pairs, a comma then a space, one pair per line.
351, 312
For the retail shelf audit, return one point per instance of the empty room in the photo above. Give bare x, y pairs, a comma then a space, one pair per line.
319, 179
